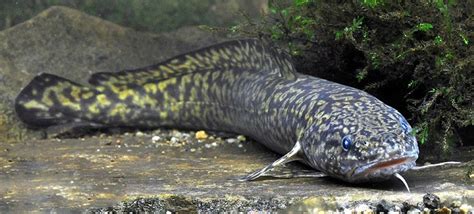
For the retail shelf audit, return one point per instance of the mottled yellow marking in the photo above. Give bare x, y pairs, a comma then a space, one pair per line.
93, 108
174, 61
102, 100
32, 104
223, 54
215, 56
163, 115
193, 95
75, 92
194, 61
87, 95
63, 100
46, 96
119, 109
150, 88
166, 69
127, 93
100, 88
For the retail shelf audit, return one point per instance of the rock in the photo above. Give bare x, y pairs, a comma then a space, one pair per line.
383, 206
465, 209
431, 201
443, 210
201, 135
73, 45
155, 139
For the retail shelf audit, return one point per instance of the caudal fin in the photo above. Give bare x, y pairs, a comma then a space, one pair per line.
50, 100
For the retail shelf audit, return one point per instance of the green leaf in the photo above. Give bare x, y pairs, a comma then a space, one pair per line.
412, 83
339, 35
438, 40
424, 27
464, 39
372, 3
301, 2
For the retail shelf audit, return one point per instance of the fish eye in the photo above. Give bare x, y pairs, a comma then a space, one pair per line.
404, 125
346, 143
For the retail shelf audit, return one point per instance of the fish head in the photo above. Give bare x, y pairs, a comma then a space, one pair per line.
359, 143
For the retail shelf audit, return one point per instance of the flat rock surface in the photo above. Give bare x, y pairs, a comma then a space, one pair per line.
181, 173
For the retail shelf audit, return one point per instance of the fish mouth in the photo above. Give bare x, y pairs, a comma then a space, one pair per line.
383, 169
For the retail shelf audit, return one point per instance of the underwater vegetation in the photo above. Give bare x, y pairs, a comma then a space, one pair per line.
416, 56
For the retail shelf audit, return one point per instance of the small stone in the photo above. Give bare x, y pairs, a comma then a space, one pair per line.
456, 210
363, 208
240, 146
155, 139
383, 206
201, 135
231, 140
207, 146
214, 144
174, 140
455, 204
444, 210
465, 209
431, 201
414, 211
241, 138
139, 134
192, 150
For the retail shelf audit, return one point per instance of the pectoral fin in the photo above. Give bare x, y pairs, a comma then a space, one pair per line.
290, 156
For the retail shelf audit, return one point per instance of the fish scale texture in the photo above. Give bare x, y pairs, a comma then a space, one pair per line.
239, 86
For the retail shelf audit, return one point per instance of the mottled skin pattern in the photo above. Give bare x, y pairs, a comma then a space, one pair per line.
242, 87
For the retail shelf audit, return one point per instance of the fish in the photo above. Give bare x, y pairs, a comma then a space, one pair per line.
242, 86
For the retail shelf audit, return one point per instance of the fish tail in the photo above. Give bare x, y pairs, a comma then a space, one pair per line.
51, 100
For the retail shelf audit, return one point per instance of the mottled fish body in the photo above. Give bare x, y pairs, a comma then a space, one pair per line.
242, 87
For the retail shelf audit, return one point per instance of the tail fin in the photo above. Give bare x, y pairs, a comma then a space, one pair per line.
50, 100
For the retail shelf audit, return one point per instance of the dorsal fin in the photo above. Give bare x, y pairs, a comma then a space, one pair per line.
246, 54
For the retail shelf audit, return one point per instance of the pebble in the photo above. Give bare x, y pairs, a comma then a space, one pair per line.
201, 135
383, 206
155, 139
456, 204
214, 144
363, 208
192, 150
466, 209
207, 146
431, 201
444, 210
139, 134
174, 140
414, 211
241, 138
231, 140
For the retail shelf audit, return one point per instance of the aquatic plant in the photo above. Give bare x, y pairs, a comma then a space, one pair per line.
415, 56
